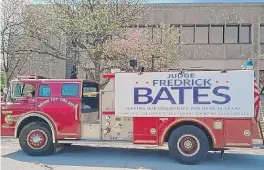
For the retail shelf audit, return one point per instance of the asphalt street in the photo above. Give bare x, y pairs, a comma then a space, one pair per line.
123, 157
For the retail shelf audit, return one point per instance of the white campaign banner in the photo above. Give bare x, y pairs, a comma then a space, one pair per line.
191, 94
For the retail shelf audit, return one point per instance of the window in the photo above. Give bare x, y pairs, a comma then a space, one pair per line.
187, 34
89, 98
245, 34
70, 89
217, 34
89, 89
231, 34
17, 90
262, 34
44, 90
201, 34
23, 90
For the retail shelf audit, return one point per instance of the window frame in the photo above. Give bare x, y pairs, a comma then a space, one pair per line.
78, 92
208, 32
39, 90
249, 34
155, 39
178, 28
149, 29
22, 88
187, 26
261, 26
223, 33
237, 36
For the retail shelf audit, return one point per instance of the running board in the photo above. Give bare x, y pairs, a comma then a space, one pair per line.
96, 141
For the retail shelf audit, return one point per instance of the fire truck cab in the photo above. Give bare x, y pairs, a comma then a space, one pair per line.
43, 112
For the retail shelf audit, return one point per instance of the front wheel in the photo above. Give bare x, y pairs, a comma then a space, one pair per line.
188, 144
35, 139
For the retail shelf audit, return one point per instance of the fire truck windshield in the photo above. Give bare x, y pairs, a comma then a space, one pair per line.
19, 89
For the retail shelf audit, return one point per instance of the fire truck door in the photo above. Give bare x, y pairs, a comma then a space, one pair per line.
90, 103
61, 102
90, 127
22, 102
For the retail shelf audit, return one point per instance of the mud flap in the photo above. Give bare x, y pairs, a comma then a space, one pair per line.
58, 148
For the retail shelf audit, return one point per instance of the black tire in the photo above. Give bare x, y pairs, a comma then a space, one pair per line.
194, 133
67, 144
47, 147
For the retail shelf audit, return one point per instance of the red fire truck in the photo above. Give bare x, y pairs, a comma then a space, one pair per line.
192, 111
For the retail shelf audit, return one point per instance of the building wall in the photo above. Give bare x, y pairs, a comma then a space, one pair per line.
214, 31
215, 35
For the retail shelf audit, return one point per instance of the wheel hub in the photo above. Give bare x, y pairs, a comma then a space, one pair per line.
37, 139
188, 145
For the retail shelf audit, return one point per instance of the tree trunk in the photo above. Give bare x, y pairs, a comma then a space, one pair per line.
6, 80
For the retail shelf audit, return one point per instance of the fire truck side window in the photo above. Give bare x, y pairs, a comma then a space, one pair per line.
23, 90
70, 89
44, 90
17, 90
90, 102
29, 90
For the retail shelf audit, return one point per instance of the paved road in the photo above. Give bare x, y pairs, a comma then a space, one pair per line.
123, 157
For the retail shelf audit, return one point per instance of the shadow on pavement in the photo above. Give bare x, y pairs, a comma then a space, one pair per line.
154, 159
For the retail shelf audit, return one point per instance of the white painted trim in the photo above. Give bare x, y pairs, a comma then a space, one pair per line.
37, 115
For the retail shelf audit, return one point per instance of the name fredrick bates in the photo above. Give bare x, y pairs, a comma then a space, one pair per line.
200, 88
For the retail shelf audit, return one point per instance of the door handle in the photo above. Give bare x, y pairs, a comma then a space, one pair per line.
76, 111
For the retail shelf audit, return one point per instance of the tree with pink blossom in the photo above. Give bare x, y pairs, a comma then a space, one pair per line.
156, 48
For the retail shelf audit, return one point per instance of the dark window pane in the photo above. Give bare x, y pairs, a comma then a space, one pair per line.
217, 34
187, 34
44, 90
201, 35
231, 34
244, 34
262, 34
69, 90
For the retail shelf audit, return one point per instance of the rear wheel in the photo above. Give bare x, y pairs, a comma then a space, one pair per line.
188, 144
35, 139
